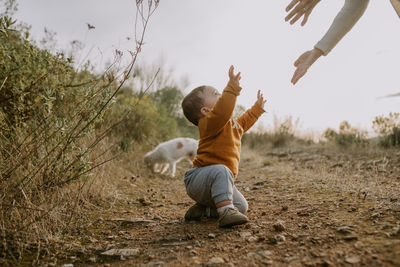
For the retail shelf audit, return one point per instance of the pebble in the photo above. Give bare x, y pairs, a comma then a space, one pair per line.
215, 260
344, 230
252, 239
350, 238
196, 244
193, 253
352, 259
264, 253
280, 238
211, 235
279, 226
244, 234
290, 259
125, 252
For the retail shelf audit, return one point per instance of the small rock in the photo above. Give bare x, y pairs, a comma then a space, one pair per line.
272, 241
196, 244
279, 226
244, 234
344, 230
290, 259
350, 238
352, 259
155, 263
264, 253
211, 235
215, 260
125, 252
144, 201
276, 239
375, 215
68, 265
247, 189
285, 208
158, 218
193, 253
280, 238
253, 255
252, 239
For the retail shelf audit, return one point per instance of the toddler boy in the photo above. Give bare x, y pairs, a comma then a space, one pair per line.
211, 180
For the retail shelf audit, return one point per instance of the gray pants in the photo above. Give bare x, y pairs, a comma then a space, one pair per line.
212, 184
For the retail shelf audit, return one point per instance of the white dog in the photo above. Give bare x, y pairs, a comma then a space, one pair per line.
167, 154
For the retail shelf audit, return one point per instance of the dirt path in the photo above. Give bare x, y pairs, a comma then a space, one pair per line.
308, 207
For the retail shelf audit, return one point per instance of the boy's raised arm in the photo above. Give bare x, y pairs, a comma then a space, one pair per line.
251, 115
223, 109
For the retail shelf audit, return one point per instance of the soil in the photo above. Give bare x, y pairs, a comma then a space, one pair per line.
309, 206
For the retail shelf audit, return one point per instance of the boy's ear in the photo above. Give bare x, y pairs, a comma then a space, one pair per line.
204, 111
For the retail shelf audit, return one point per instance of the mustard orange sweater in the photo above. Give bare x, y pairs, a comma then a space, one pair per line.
220, 134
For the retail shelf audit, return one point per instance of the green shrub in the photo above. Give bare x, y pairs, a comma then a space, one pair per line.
282, 134
138, 120
47, 117
347, 136
388, 129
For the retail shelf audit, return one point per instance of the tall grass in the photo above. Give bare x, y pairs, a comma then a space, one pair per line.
284, 132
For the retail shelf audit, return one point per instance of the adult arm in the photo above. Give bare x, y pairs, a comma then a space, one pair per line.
396, 6
342, 24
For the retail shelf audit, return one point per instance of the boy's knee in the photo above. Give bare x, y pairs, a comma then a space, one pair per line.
222, 170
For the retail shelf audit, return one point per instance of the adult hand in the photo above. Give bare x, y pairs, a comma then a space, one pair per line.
232, 77
304, 62
299, 8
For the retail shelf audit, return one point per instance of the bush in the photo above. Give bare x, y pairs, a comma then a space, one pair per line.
347, 136
47, 112
282, 134
388, 129
138, 120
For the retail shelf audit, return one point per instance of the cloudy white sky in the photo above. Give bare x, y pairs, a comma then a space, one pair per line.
201, 39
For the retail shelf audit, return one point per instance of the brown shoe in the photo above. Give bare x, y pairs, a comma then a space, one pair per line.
195, 212
231, 217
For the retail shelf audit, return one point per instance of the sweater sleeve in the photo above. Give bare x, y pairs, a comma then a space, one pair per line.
396, 6
250, 117
342, 24
222, 111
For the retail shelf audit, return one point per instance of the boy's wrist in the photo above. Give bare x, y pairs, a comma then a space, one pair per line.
233, 88
234, 81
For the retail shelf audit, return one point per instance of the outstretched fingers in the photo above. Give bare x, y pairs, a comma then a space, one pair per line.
291, 5
300, 71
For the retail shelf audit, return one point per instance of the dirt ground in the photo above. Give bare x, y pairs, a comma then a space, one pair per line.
310, 206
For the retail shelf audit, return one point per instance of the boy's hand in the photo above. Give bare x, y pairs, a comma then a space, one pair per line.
260, 99
232, 77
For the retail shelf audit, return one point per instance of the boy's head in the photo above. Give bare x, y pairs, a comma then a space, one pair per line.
199, 102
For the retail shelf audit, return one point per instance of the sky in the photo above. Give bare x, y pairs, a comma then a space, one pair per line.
199, 40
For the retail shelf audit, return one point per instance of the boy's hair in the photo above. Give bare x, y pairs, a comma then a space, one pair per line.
192, 103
